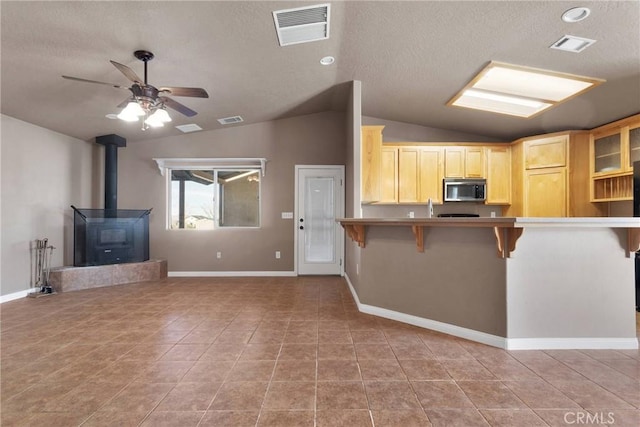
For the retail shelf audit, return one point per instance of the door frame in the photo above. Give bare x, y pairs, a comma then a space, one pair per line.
341, 245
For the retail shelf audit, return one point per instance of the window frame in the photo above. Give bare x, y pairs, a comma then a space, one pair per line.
167, 166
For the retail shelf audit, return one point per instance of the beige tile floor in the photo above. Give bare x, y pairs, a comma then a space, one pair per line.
282, 352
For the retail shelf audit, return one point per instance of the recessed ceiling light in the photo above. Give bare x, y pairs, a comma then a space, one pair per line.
111, 116
327, 60
576, 14
520, 91
192, 127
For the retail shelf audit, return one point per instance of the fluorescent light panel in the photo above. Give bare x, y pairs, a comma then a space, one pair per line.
520, 91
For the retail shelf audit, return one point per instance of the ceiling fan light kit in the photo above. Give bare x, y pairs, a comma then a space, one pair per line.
148, 101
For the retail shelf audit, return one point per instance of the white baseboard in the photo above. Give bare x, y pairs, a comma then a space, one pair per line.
572, 343
496, 341
231, 273
16, 295
446, 328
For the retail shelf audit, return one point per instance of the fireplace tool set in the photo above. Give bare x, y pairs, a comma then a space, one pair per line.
43, 253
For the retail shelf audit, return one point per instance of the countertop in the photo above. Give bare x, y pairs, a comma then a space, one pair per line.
507, 222
507, 230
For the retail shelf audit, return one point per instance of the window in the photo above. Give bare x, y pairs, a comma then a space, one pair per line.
209, 199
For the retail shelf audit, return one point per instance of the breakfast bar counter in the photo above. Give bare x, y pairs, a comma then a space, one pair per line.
556, 282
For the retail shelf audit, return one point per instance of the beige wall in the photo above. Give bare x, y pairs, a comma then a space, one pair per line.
312, 140
42, 174
457, 280
406, 132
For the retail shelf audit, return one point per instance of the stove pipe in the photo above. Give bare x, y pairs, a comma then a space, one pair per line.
111, 144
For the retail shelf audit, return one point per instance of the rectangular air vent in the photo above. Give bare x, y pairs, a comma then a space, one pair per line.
189, 128
230, 120
302, 24
572, 44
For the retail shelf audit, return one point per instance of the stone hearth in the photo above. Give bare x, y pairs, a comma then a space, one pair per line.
64, 279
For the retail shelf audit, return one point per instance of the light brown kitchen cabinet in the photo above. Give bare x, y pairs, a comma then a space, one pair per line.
474, 162
498, 175
371, 151
389, 175
464, 162
550, 176
411, 174
431, 174
408, 175
545, 192
546, 152
613, 150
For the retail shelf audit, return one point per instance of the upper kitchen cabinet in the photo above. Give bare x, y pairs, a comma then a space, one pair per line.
371, 158
464, 162
389, 175
431, 174
613, 149
411, 174
498, 175
547, 152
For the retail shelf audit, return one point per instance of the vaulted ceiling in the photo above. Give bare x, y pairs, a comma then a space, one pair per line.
411, 57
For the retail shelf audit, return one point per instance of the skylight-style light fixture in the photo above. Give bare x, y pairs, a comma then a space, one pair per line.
520, 91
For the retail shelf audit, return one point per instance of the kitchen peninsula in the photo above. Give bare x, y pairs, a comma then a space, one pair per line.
556, 282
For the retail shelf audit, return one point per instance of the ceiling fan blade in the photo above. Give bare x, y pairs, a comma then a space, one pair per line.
128, 72
178, 107
94, 81
195, 92
124, 103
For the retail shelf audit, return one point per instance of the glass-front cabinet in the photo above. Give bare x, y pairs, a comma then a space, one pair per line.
634, 144
607, 153
614, 149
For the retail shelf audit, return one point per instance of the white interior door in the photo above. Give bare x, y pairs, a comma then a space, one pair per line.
319, 201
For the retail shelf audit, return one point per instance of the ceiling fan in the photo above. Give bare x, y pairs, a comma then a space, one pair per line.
147, 100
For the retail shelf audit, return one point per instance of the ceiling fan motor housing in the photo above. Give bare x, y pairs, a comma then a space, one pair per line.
146, 95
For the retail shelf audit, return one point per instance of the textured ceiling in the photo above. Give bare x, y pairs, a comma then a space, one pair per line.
411, 57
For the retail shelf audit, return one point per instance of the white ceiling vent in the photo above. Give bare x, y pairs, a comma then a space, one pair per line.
302, 24
572, 44
189, 128
230, 120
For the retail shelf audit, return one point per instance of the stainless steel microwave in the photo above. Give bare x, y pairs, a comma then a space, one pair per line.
464, 190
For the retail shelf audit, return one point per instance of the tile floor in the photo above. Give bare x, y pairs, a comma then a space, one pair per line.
282, 352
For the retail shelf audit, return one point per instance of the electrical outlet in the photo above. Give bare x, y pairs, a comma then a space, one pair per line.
493, 214
411, 214
277, 254
218, 255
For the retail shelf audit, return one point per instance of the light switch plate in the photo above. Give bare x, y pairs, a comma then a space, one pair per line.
287, 215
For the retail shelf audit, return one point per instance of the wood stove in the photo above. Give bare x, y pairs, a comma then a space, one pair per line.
110, 235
